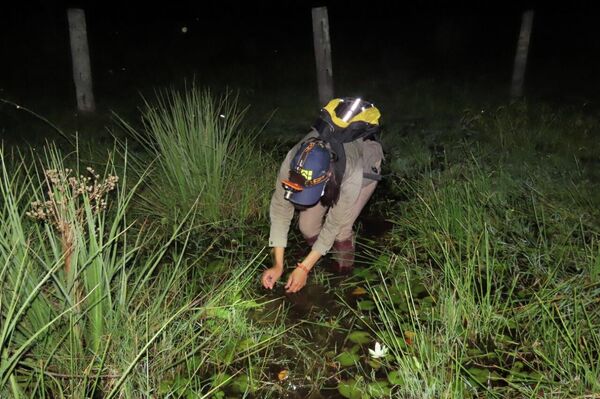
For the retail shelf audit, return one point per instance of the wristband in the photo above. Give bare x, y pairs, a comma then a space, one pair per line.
302, 267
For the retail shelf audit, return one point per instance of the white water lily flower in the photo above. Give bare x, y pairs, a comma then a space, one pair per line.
379, 352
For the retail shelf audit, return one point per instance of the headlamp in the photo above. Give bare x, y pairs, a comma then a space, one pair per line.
294, 184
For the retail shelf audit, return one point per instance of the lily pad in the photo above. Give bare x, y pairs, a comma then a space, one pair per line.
392, 340
351, 389
378, 389
375, 364
360, 337
240, 384
246, 344
427, 302
227, 354
347, 359
165, 386
366, 274
394, 294
366, 304
417, 288
395, 378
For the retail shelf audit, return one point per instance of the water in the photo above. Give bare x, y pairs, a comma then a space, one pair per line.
322, 314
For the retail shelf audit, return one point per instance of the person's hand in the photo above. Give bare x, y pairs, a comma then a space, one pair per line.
270, 276
296, 281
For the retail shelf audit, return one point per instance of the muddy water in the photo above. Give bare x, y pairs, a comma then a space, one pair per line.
321, 318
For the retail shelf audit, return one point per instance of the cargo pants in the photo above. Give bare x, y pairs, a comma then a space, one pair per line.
310, 221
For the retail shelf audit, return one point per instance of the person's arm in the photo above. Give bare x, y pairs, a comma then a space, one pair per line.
281, 214
298, 277
281, 211
272, 274
278, 253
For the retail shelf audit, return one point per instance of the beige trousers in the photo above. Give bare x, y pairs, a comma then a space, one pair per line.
310, 220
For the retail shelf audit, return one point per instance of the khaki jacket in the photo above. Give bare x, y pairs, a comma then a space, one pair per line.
282, 210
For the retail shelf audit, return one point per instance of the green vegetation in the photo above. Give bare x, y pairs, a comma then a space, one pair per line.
504, 234
131, 269
89, 306
200, 154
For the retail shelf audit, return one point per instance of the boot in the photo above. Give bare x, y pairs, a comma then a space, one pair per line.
343, 256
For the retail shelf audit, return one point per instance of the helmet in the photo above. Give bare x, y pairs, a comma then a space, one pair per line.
309, 172
348, 114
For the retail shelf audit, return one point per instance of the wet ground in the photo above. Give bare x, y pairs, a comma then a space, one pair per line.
323, 314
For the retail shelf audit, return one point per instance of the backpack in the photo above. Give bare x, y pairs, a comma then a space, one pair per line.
344, 120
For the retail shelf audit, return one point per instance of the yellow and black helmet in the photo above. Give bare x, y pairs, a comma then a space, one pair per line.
349, 117
344, 112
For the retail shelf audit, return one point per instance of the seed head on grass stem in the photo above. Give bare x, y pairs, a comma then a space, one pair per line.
68, 196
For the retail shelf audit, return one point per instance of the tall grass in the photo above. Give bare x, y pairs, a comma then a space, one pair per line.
24, 313
203, 153
504, 235
91, 307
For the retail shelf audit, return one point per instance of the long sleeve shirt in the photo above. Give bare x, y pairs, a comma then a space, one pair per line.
282, 211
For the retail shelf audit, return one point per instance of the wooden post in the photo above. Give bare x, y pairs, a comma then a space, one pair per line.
80, 55
518, 77
320, 20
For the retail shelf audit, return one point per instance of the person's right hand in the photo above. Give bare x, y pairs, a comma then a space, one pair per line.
270, 276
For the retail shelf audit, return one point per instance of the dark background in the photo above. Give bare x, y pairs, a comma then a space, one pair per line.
266, 48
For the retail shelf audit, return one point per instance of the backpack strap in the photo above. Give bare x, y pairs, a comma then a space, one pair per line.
372, 176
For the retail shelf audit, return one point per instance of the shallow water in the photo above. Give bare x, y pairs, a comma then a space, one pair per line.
322, 314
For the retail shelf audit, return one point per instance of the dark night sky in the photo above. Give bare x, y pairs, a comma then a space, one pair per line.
144, 45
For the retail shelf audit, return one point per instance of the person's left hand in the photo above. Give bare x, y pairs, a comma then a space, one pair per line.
296, 281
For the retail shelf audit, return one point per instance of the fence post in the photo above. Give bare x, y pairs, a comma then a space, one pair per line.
322, 43
80, 55
518, 77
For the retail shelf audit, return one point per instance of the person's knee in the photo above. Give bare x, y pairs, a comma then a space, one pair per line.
310, 240
308, 227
